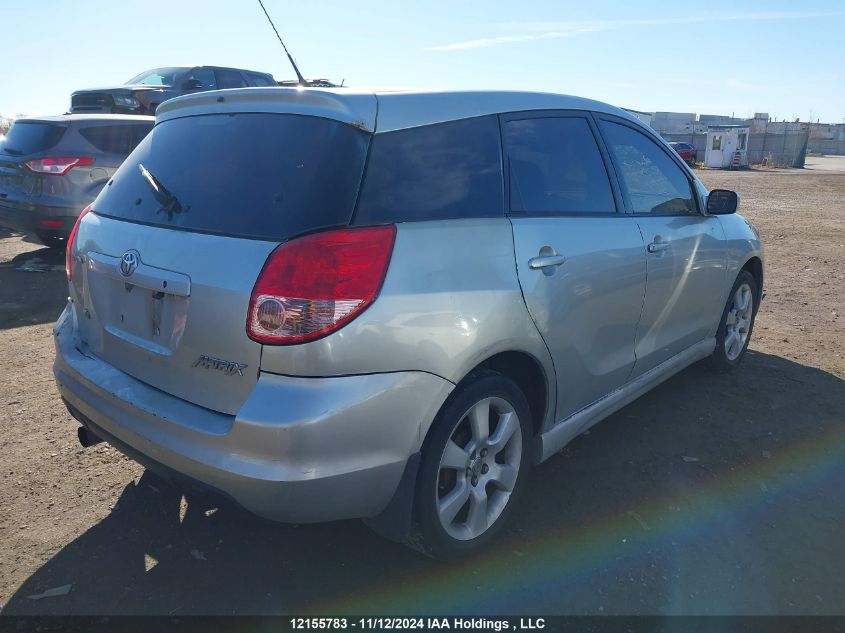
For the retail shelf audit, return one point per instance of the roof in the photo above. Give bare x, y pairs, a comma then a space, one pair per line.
93, 116
377, 111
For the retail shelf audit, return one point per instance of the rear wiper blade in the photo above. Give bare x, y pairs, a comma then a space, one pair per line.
169, 203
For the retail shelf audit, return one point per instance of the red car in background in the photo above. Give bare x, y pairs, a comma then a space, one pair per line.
685, 151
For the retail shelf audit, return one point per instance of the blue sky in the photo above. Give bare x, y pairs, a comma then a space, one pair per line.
784, 58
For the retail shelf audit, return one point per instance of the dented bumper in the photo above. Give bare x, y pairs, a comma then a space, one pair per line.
299, 450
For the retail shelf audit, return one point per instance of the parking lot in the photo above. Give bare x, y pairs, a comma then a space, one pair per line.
712, 494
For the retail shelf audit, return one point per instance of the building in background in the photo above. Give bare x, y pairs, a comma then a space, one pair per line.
727, 146
767, 142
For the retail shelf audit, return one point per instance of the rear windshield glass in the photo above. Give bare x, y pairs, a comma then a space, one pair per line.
264, 176
28, 138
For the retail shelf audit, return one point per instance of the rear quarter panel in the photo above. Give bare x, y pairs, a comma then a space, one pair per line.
450, 300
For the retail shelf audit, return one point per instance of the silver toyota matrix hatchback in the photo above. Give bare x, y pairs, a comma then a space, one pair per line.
325, 304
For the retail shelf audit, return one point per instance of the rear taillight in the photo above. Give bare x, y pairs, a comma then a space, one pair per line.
316, 284
47, 223
70, 242
57, 165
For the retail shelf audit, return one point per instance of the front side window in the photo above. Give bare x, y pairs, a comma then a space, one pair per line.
717, 142
742, 139
653, 181
555, 166
434, 172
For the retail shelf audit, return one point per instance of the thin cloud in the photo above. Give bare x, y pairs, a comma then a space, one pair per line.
486, 42
557, 30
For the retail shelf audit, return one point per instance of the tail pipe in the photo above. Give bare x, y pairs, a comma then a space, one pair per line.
87, 438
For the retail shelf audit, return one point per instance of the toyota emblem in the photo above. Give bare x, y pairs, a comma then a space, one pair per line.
129, 262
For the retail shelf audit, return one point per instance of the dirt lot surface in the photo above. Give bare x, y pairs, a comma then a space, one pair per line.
713, 494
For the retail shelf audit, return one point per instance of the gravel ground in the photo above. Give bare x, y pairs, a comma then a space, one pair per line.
713, 494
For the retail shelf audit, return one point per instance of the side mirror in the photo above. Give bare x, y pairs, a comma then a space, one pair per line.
722, 202
191, 84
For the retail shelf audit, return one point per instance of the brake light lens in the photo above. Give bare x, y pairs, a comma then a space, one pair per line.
71, 239
57, 165
314, 285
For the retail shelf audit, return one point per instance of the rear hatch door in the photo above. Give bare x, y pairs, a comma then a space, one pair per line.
26, 140
166, 263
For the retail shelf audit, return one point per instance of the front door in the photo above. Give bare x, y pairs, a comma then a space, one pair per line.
581, 263
684, 250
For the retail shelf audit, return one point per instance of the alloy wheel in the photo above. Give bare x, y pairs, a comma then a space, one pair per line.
479, 468
738, 322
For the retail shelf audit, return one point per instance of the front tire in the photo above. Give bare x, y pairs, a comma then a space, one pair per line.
474, 466
734, 333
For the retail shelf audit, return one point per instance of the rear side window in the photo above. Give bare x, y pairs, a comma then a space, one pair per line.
264, 176
205, 77
653, 181
260, 80
115, 139
434, 172
555, 166
26, 137
229, 79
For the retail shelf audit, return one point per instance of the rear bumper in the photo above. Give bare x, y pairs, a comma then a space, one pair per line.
27, 217
299, 450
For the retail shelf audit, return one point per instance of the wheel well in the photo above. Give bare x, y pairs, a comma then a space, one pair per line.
755, 267
529, 376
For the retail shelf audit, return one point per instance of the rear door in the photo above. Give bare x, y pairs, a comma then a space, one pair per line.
684, 249
580, 261
177, 239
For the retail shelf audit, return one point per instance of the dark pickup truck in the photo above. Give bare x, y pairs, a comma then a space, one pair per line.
143, 93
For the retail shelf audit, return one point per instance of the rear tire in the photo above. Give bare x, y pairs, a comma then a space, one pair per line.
736, 324
474, 467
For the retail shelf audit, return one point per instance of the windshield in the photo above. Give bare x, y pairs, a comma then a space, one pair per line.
158, 76
265, 176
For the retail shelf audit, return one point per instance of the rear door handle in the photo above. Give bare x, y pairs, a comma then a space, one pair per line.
545, 261
657, 247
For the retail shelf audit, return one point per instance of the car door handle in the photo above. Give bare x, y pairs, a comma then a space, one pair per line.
544, 261
657, 247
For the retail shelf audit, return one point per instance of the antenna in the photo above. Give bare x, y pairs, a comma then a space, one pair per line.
299, 76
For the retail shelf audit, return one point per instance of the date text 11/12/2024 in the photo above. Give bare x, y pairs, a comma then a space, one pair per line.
412, 623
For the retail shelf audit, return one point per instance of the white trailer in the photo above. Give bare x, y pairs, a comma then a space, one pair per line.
727, 146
